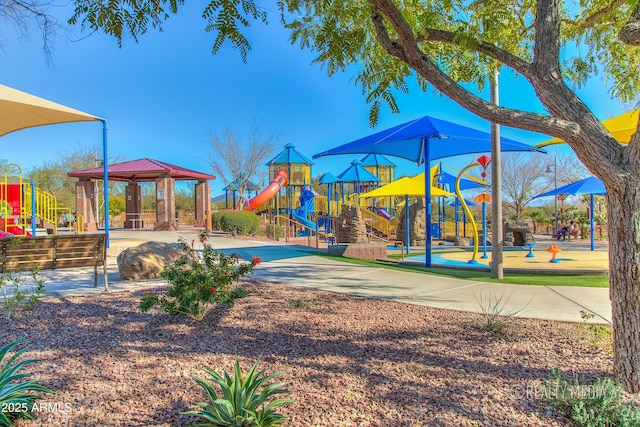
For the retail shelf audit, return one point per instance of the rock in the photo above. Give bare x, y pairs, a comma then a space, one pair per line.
517, 234
417, 234
351, 228
360, 250
461, 241
146, 261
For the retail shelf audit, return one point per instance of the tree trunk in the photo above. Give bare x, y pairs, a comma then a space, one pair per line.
624, 290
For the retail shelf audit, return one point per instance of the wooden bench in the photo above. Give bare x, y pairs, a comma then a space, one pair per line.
55, 252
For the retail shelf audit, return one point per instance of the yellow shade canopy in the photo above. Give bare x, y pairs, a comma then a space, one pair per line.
20, 110
406, 187
621, 127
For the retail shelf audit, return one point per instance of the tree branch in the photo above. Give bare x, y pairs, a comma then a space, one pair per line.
428, 70
569, 117
487, 49
630, 33
592, 20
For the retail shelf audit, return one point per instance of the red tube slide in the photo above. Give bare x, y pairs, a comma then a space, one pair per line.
280, 180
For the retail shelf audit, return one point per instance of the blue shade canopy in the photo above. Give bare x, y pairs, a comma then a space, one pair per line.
376, 160
327, 178
407, 141
290, 155
591, 185
423, 140
357, 173
468, 202
465, 184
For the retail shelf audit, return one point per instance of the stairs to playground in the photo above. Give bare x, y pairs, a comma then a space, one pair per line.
387, 227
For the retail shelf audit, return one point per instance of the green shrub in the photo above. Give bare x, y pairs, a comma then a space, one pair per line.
597, 405
274, 231
597, 334
243, 402
16, 393
216, 220
199, 279
14, 295
240, 223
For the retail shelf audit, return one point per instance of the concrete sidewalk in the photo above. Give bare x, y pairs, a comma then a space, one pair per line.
296, 265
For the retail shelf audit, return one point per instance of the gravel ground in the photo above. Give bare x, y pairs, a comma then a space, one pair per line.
347, 361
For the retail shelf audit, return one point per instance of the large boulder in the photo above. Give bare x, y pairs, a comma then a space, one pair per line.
417, 234
461, 241
517, 234
147, 260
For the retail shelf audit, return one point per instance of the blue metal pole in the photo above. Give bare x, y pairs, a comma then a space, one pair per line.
328, 226
406, 222
592, 222
105, 172
440, 202
427, 201
464, 224
33, 208
457, 216
484, 231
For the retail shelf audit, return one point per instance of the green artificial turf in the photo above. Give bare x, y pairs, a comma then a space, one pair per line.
590, 281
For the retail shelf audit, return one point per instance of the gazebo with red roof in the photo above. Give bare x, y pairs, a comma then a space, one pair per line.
144, 170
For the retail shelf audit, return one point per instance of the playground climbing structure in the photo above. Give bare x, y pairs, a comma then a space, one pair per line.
21, 202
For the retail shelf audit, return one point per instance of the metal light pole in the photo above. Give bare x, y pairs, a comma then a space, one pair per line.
497, 261
555, 196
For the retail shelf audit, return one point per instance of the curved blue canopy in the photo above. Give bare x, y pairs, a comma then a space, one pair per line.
357, 173
591, 185
327, 178
449, 181
457, 203
423, 140
407, 141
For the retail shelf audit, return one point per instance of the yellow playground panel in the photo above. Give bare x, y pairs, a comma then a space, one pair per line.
17, 198
298, 169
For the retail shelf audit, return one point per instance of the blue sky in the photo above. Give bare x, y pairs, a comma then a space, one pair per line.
164, 96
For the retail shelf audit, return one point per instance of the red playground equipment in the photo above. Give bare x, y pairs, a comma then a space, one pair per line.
24, 207
280, 180
11, 201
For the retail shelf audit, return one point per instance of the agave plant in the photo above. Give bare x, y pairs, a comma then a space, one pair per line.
243, 402
16, 393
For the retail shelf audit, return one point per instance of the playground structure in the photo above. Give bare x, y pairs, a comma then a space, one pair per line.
25, 209
290, 202
280, 180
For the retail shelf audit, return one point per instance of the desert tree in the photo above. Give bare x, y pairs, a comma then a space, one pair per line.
52, 176
25, 16
523, 178
239, 157
456, 47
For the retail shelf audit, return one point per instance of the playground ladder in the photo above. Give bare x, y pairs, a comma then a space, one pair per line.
46, 206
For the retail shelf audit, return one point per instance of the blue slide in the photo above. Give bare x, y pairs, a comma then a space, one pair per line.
300, 214
304, 221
